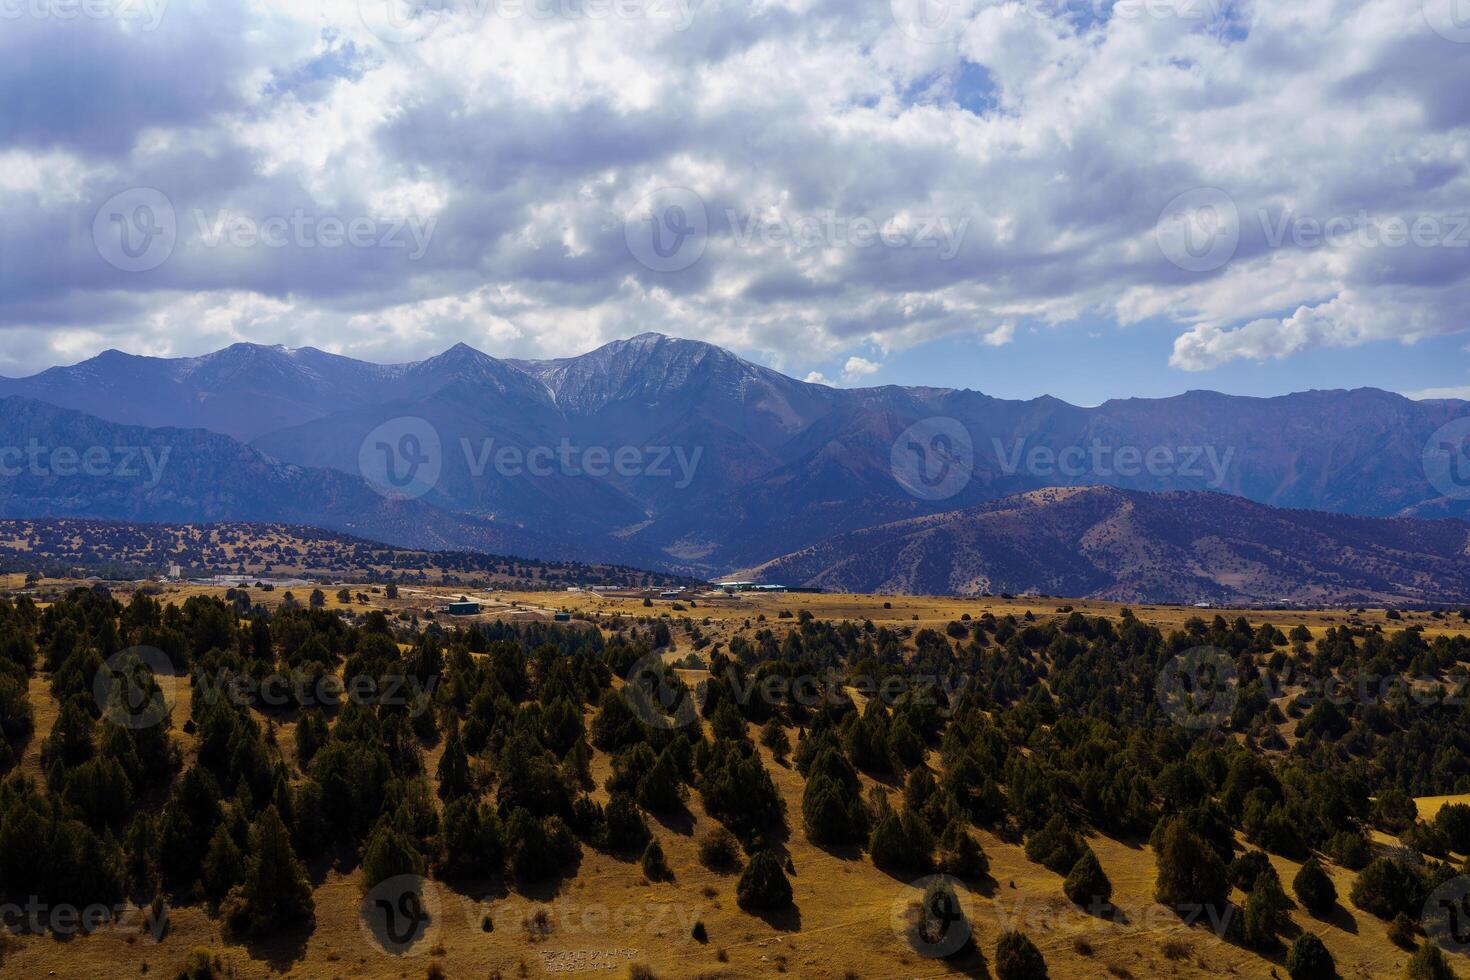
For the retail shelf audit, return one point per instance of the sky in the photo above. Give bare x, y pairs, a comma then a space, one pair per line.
1084, 198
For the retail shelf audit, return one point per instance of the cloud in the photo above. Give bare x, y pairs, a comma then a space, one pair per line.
858, 368
850, 186
1461, 393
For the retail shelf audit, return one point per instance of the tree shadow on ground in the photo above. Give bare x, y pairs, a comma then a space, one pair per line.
1340, 918
280, 952
786, 919
679, 821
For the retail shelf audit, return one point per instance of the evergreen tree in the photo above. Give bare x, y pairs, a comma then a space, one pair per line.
1387, 887
1086, 884
773, 737
942, 919
1190, 873
275, 894
902, 842
1017, 958
1314, 889
454, 770
473, 841
960, 854
1265, 912
627, 830
388, 853
1309, 960
224, 865
763, 885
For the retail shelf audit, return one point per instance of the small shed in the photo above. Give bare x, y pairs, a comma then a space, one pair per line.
464, 607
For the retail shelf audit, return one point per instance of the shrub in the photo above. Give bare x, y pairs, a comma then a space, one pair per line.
1314, 889
719, 849
1402, 932
1428, 963
1309, 960
1017, 958
763, 886
655, 866
200, 964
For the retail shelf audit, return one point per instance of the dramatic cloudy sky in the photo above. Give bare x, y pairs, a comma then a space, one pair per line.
1087, 197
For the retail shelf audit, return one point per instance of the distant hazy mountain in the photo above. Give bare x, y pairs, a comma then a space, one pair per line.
1105, 543
60, 463
731, 463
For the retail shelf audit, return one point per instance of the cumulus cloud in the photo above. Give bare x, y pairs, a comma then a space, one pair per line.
845, 181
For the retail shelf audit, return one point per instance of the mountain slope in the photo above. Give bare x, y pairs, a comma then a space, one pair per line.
1127, 546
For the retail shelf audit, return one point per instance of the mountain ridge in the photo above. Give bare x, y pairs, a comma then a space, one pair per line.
1126, 546
775, 464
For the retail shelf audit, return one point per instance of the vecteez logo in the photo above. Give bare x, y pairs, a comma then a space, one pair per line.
136, 230
402, 915
1450, 19
402, 459
401, 21
655, 697
933, 916
668, 231
1447, 460
1199, 231
1199, 688
933, 21
136, 688
933, 459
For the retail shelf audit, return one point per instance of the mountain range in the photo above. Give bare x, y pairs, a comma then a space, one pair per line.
675, 454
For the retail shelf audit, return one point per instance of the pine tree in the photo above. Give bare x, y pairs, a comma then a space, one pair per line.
662, 788
1017, 958
960, 854
1190, 873
224, 865
454, 770
1309, 960
763, 885
1086, 884
1265, 911
389, 853
275, 893
942, 920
